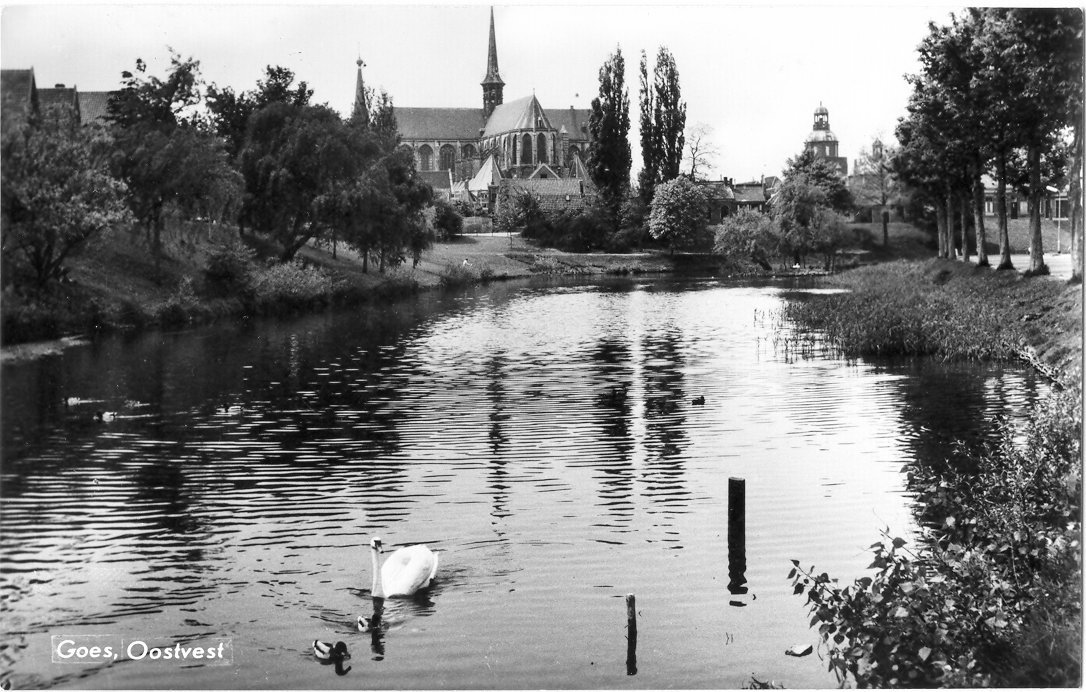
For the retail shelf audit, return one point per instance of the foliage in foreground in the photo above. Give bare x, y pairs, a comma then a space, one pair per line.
993, 594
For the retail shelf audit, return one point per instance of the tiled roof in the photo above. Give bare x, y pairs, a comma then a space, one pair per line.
572, 119
92, 106
60, 96
551, 193
522, 114
749, 194
18, 95
717, 189
439, 123
439, 180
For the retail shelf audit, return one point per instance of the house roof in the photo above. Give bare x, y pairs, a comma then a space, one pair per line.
439, 180
522, 114
554, 187
58, 96
572, 119
749, 194
717, 189
488, 175
18, 95
543, 171
439, 123
93, 106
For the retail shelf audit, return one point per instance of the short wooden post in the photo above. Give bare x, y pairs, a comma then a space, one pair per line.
631, 635
737, 538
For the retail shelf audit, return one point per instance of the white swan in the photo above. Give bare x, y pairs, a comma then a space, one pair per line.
405, 572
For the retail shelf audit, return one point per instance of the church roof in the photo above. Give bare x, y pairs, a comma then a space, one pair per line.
570, 118
18, 95
821, 136
522, 114
93, 106
439, 123
439, 180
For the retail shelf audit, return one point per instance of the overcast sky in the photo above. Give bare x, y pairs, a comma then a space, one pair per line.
754, 74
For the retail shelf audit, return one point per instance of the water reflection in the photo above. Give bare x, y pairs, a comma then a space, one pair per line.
544, 438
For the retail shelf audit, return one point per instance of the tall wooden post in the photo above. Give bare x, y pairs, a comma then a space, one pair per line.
631, 635
737, 538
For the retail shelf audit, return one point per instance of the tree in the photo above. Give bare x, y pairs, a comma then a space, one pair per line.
57, 194
823, 174
162, 153
797, 211
701, 151
678, 216
670, 114
646, 178
747, 234
230, 112
876, 180
609, 156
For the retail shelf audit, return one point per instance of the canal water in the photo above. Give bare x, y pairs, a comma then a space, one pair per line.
543, 439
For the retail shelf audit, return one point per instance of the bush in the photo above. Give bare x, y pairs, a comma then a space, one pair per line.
447, 221
229, 268
291, 285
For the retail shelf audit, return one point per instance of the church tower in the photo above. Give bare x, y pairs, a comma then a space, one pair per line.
360, 114
822, 142
492, 84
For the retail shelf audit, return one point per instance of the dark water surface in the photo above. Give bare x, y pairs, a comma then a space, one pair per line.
236, 492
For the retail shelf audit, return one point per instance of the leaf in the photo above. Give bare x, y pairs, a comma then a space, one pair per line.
924, 652
798, 589
898, 542
901, 612
792, 574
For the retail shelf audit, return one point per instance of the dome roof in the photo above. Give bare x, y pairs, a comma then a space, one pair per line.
821, 136
822, 110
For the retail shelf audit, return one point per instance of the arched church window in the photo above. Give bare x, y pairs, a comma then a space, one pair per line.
469, 151
526, 149
426, 158
541, 148
573, 151
448, 157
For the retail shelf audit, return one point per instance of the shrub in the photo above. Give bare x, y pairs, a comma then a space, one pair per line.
291, 285
229, 268
447, 221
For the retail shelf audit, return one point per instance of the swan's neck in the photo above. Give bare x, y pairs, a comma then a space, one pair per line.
377, 590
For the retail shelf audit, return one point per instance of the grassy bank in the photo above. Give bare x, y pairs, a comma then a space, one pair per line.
116, 285
992, 594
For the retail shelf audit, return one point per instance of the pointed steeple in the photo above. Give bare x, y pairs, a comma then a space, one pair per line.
492, 83
360, 114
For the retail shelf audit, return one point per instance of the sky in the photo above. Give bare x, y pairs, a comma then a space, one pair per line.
754, 74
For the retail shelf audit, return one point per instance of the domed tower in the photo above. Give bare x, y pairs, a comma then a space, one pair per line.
822, 142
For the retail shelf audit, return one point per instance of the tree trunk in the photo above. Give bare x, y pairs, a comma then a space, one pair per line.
978, 215
950, 223
940, 229
1036, 192
1001, 211
963, 210
885, 215
1075, 194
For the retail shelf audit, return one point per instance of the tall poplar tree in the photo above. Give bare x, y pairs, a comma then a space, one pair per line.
609, 155
670, 116
650, 153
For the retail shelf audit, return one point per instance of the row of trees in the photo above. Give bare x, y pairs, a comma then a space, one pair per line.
267, 159
1000, 90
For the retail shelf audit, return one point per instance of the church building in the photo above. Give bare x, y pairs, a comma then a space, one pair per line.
525, 140
823, 143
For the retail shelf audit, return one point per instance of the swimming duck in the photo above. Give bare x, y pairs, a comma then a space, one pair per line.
105, 416
330, 652
698, 400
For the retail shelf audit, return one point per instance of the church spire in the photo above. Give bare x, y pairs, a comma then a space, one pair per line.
360, 114
492, 83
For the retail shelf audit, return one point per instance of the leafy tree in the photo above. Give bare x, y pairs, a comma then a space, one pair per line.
823, 174
670, 114
747, 234
877, 182
798, 212
650, 161
57, 194
678, 216
230, 112
162, 154
447, 221
609, 156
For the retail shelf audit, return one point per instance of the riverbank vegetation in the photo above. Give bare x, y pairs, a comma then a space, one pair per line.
991, 593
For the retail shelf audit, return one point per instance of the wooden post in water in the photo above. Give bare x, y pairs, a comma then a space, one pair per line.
631, 635
737, 538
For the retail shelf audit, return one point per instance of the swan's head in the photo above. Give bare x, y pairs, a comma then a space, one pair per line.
375, 544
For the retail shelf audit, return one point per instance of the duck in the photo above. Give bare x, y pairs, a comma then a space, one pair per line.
105, 416
698, 400
330, 652
405, 572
